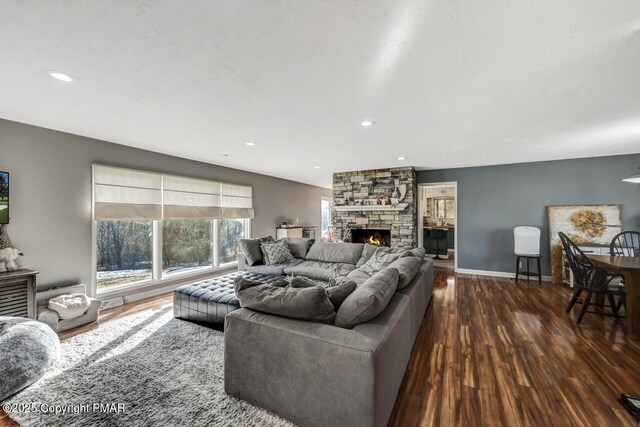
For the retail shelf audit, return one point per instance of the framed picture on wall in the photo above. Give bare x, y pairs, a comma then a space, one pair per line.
586, 225
4, 197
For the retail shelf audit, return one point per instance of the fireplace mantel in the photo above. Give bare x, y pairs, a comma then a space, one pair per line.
345, 208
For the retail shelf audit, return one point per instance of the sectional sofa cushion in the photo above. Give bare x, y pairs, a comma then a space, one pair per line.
367, 252
348, 253
357, 276
380, 260
299, 246
320, 270
337, 292
311, 272
407, 268
368, 300
311, 303
277, 270
277, 253
415, 252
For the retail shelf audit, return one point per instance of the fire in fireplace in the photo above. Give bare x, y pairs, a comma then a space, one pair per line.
372, 236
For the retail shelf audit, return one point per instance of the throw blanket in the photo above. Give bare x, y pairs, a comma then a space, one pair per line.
69, 306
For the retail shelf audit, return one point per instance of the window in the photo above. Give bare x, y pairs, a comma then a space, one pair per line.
231, 231
325, 207
151, 226
187, 245
124, 253
445, 208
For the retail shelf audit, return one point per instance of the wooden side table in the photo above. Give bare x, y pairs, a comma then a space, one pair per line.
18, 293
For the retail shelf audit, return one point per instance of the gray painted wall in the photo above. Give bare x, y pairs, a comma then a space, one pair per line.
51, 195
492, 200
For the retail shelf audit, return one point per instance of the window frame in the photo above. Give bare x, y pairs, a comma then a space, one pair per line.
158, 278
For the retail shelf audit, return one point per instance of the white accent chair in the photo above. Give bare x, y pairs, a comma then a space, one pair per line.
527, 247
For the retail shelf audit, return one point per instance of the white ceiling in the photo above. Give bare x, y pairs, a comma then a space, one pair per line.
449, 83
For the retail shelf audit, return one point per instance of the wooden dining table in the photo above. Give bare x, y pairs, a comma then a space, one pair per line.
629, 268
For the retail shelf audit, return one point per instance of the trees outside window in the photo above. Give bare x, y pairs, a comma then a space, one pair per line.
125, 249
124, 252
187, 245
231, 231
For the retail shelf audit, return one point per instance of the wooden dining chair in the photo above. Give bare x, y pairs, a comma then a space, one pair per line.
589, 278
626, 243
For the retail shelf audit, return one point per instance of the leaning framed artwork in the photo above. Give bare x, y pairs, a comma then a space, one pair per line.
586, 225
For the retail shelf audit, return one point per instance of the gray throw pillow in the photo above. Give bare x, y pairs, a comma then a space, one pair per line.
251, 250
368, 300
299, 246
379, 261
337, 292
415, 252
277, 253
263, 240
298, 303
408, 267
340, 292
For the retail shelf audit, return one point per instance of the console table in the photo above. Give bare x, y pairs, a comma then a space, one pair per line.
18, 293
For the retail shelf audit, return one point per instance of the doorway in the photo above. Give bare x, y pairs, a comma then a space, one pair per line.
438, 223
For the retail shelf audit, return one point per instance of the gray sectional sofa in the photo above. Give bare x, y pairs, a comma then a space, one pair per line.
316, 374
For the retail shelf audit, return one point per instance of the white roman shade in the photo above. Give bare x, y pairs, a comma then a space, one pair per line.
120, 193
191, 198
126, 194
237, 201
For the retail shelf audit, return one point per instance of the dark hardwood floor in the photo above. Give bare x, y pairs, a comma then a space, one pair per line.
492, 353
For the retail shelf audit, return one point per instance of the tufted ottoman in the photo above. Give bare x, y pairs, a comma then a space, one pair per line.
27, 349
209, 301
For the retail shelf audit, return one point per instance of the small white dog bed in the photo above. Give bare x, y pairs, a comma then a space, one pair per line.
69, 306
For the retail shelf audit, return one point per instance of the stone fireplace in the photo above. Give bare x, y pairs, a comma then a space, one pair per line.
359, 204
371, 235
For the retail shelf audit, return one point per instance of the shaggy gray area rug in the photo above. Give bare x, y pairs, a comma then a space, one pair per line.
147, 369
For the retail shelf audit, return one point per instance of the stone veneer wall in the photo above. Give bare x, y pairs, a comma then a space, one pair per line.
362, 185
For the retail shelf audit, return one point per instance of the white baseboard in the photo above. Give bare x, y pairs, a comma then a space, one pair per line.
506, 274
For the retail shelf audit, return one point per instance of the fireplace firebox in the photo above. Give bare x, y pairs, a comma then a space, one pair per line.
372, 236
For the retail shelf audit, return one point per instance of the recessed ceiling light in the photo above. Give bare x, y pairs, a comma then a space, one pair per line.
316, 167
367, 123
402, 158
250, 144
61, 76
